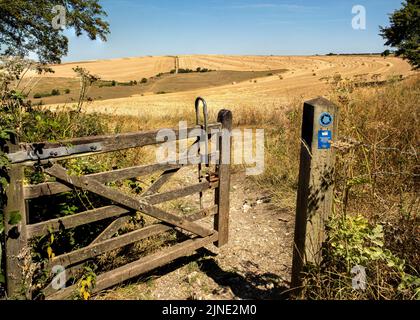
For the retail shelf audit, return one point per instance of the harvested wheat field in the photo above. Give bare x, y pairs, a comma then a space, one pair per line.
252, 80
124, 69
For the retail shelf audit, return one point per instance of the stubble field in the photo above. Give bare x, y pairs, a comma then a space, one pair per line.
236, 81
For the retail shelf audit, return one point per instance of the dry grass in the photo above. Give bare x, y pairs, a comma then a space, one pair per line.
386, 121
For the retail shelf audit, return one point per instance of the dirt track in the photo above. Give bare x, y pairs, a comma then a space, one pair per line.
255, 264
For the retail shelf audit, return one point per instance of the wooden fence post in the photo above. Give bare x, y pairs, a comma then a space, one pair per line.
15, 230
221, 220
315, 189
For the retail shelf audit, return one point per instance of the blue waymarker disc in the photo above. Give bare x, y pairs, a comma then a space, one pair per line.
325, 119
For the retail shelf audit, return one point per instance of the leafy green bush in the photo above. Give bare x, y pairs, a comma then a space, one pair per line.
55, 92
352, 242
41, 95
105, 83
143, 81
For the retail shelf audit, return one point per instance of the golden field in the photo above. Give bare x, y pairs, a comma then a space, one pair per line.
306, 77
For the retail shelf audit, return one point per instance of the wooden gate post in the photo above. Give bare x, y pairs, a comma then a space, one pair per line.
221, 220
15, 230
315, 190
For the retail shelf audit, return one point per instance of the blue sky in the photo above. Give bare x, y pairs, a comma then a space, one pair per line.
261, 27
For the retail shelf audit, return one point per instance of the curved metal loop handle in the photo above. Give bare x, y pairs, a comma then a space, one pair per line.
204, 157
197, 115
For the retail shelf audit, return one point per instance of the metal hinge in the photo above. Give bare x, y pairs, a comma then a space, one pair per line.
37, 153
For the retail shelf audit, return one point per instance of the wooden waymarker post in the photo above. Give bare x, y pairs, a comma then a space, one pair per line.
315, 190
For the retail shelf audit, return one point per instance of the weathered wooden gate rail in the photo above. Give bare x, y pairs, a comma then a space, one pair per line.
18, 232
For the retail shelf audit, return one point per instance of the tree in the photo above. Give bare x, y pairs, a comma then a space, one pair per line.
386, 53
404, 32
27, 26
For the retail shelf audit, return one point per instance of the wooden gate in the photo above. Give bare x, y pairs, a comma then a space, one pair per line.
19, 232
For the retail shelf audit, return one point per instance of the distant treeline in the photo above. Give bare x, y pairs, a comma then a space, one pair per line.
199, 69
359, 54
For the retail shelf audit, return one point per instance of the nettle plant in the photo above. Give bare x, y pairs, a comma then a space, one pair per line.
352, 241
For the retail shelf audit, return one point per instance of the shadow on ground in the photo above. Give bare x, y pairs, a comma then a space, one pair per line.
265, 286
